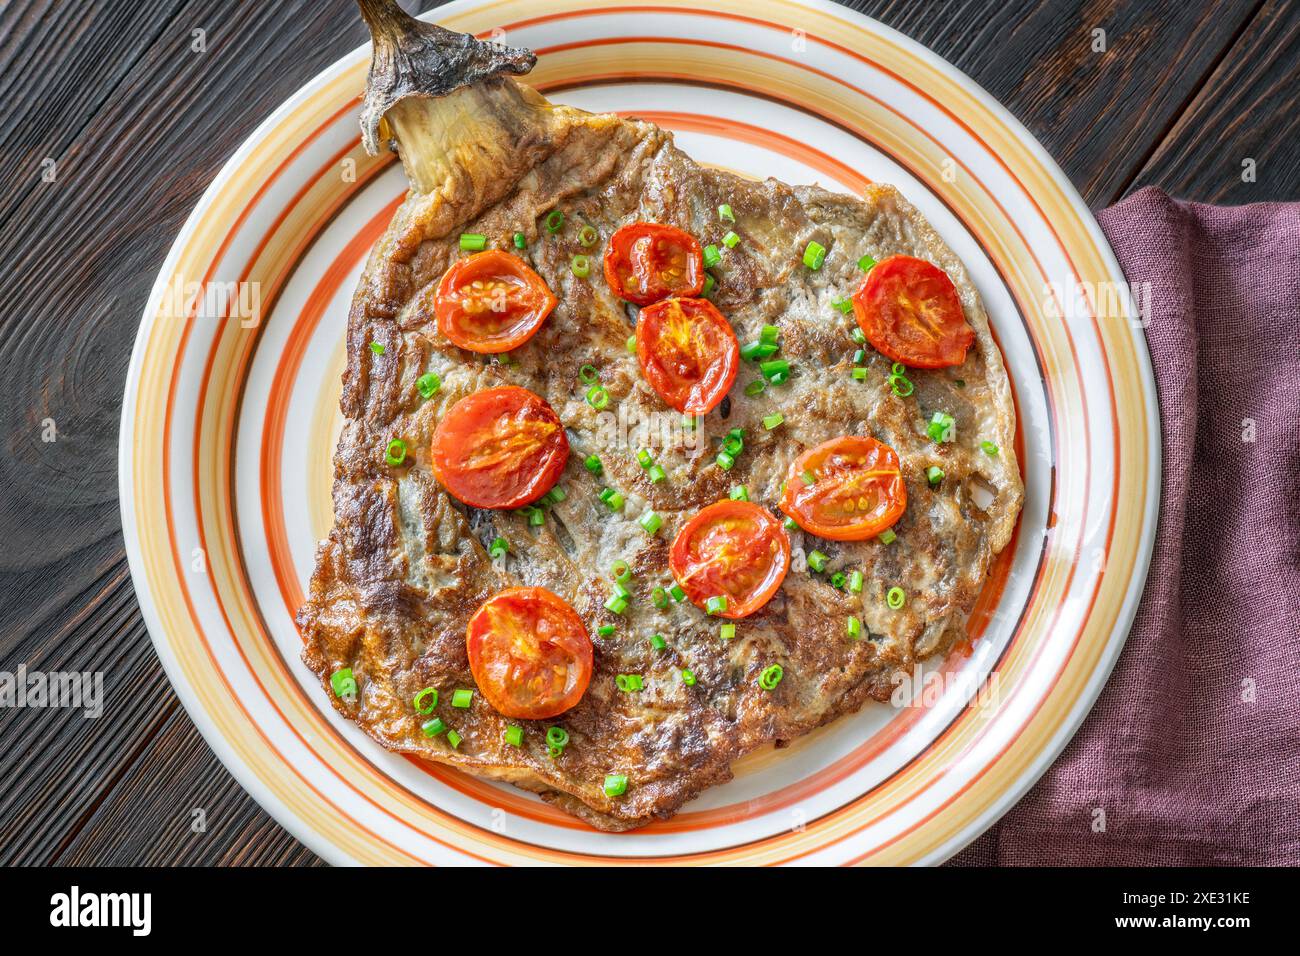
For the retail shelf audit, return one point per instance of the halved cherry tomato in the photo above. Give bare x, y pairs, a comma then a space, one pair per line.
909, 311
646, 262
731, 549
688, 353
529, 653
492, 302
499, 448
857, 490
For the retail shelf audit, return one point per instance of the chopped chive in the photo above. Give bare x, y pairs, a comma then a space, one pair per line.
895, 597
941, 427
395, 453
433, 728
887, 536
597, 397
651, 522
817, 561
556, 494
428, 384
343, 683
659, 598
606, 630
709, 283
377, 348
725, 461
621, 590
774, 368
593, 464
740, 493
730, 240
866, 263
557, 738
860, 357
808, 477
630, 344
616, 604
855, 627
855, 582
589, 375
989, 448
934, 474
859, 374
773, 420
621, 571
462, 698
587, 236
756, 387
644, 458
628, 683
842, 304
426, 701
790, 524
454, 738
838, 579
521, 241
727, 631
858, 335
657, 642
771, 676
580, 266
499, 548
688, 677
555, 221
901, 385
769, 334
758, 350
536, 517
515, 735
678, 594
615, 784
614, 499
711, 256
716, 604
473, 241
814, 255
725, 213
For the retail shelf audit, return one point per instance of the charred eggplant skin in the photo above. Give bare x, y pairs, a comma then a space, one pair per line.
414, 58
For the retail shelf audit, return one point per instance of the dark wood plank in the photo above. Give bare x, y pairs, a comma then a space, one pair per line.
138, 124
1249, 109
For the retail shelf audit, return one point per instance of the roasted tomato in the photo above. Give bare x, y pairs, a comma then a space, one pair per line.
492, 302
857, 490
646, 262
731, 549
529, 652
499, 448
688, 353
909, 311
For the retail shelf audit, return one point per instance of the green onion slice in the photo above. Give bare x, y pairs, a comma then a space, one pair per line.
589, 375
395, 453
426, 701
555, 221
814, 255
428, 384
711, 256
515, 735
725, 213
895, 597
433, 728
771, 676
462, 698
473, 241
615, 784
597, 397
716, 604
343, 683
688, 677
651, 522
587, 236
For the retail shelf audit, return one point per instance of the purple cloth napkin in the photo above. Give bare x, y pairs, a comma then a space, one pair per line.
1193, 749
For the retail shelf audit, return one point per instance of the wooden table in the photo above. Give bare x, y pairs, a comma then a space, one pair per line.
138, 124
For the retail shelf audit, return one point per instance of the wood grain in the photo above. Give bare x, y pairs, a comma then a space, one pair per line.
137, 122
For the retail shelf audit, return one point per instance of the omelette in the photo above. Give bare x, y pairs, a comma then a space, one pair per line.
644, 465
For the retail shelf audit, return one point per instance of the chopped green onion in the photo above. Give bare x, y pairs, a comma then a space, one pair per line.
620, 571
817, 561
860, 357
657, 642
651, 522
866, 263
896, 597
377, 348
606, 630
709, 283
858, 335
597, 397
515, 735
730, 240
593, 464
521, 241
557, 736
740, 493
473, 242
428, 384
454, 738
616, 604
628, 683
814, 255
678, 594
727, 631
344, 684
838, 579
855, 582
612, 498
688, 677
621, 590
615, 784
989, 448
659, 598
855, 627
644, 458
716, 604
555, 495
756, 387
580, 265
555, 221
860, 374
758, 350
734, 443
842, 304
725, 461
725, 213
808, 478
774, 368
771, 676
901, 385
790, 524
711, 256
431, 695
433, 728
395, 453
587, 236
769, 334
499, 548
462, 698
773, 420
589, 375
940, 428
630, 344
934, 474
536, 516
